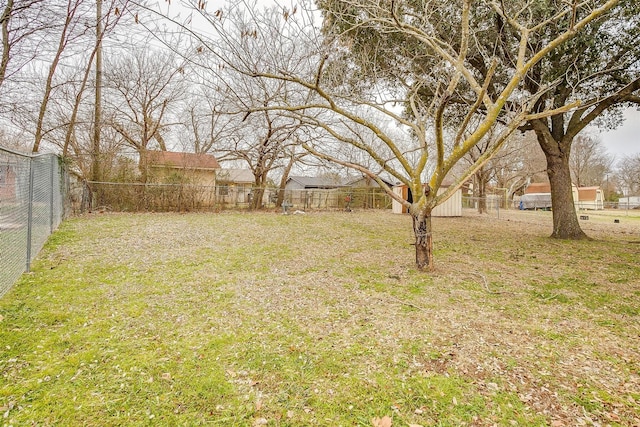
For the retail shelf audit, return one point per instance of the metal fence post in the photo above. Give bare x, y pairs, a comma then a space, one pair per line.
29, 215
52, 188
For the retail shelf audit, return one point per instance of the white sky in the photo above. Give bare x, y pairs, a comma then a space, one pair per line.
626, 138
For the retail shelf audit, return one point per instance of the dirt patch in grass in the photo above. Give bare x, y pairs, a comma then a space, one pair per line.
321, 319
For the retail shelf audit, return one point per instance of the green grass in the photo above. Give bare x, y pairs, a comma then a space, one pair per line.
240, 319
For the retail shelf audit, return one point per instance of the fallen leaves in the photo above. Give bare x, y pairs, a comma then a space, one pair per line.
382, 422
260, 422
314, 327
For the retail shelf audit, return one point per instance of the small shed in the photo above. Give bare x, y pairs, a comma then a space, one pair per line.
451, 207
591, 198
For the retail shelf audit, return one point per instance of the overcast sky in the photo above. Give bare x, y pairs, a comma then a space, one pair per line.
625, 139
619, 142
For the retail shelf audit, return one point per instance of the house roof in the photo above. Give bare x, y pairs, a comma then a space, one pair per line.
317, 181
369, 182
239, 176
180, 160
588, 193
538, 187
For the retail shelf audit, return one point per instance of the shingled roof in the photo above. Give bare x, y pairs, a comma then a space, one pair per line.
239, 176
538, 187
588, 193
317, 182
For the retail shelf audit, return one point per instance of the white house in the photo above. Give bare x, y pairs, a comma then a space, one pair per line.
630, 202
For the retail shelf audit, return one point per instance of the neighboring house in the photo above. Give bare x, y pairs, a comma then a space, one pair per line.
315, 192
7, 181
367, 182
311, 183
631, 202
180, 181
365, 192
234, 185
449, 208
538, 196
538, 188
180, 168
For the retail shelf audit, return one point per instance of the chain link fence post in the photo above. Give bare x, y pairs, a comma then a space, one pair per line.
29, 216
32, 205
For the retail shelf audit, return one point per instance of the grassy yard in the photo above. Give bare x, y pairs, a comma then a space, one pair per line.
263, 319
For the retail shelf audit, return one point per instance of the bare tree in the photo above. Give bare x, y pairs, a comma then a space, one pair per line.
22, 23
589, 161
483, 173
206, 122
46, 63
628, 173
71, 30
294, 154
520, 162
106, 21
143, 86
339, 96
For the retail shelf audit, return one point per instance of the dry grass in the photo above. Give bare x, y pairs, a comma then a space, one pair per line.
321, 319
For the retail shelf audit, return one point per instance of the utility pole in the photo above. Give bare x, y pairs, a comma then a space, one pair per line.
97, 114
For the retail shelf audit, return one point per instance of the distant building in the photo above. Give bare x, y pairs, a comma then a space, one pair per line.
368, 182
630, 202
537, 195
320, 192
591, 198
8, 181
313, 182
234, 185
180, 168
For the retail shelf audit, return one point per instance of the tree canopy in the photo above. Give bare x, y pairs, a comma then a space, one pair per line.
426, 67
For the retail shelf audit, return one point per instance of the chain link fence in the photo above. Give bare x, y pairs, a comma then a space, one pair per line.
137, 197
31, 208
491, 205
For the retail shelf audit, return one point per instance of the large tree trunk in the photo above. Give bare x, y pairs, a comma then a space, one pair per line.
257, 194
556, 146
283, 180
424, 240
481, 192
565, 219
